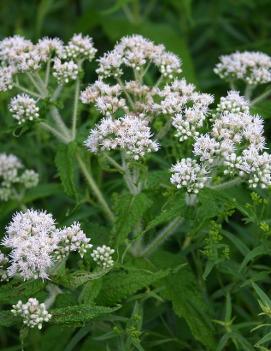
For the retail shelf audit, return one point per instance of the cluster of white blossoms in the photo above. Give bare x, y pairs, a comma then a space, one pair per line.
23, 108
14, 178
6, 78
251, 67
79, 48
65, 71
36, 244
102, 255
33, 313
189, 174
233, 146
137, 52
129, 133
72, 239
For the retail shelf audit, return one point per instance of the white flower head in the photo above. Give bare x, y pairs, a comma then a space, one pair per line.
102, 255
33, 313
71, 239
13, 177
23, 108
6, 78
189, 174
129, 133
79, 47
205, 148
20, 53
49, 47
32, 240
233, 103
252, 67
66, 71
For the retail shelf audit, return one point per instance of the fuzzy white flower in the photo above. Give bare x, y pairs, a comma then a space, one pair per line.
33, 313
129, 133
66, 71
79, 47
102, 255
6, 78
233, 103
205, 148
23, 108
13, 177
252, 67
3, 267
189, 174
71, 239
20, 53
110, 64
48, 47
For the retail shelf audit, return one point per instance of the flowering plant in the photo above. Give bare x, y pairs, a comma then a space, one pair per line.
148, 168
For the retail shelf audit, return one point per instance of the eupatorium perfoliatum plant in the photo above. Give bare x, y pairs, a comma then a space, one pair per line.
163, 214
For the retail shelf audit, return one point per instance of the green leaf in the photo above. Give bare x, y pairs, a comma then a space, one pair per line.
42, 191
74, 280
12, 292
122, 284
7, 319
187, 300
129, 210
65, 165
256, 252
79, 314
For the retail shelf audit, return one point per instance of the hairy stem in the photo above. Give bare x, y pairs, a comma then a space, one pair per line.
30, 92
228, 184
261, 97
55, 132
163, 235
60, 123
75, 107
92, 184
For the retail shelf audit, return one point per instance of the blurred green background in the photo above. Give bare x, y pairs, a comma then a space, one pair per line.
197, 30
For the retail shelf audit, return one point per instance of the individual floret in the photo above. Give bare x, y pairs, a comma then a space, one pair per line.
102, 255
23, 108
189, 174
33, 313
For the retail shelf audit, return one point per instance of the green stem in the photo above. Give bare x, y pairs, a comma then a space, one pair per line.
41, 84
92, 184
75, 107
261, 97
162, 236
114, 163
55, 132
47, 73
60, 123
248, 91
228, 184
36, 85
30, 92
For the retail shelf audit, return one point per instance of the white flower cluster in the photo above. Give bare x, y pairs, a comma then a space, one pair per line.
79, 48
23, 108
14, 178
36, 243
49, 47
252, 67
19, 53
72, 239
3, 267
233, 103
189, 174
65, 71
129, 133
233, 147
106, 98
137, 52
33, 313
102, 255
187, 107
6, 78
